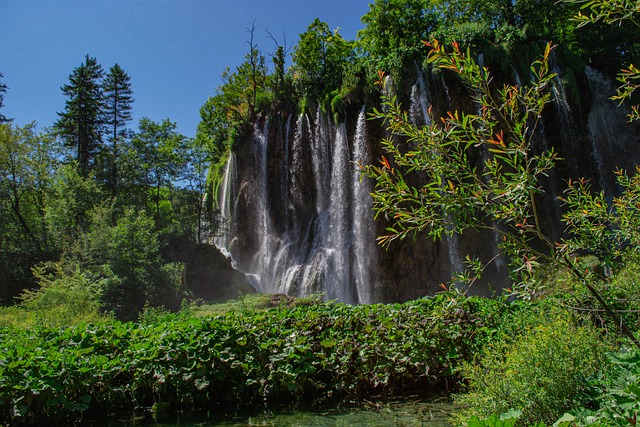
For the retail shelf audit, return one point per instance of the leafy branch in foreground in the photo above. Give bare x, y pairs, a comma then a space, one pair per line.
615, 12
482, 170
468, 170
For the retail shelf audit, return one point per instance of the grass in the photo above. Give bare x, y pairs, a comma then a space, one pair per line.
250, 303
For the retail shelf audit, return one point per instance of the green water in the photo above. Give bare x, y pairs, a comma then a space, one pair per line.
392, 414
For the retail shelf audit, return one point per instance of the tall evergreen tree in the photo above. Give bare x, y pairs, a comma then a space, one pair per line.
3, 90
118, 99
81, 124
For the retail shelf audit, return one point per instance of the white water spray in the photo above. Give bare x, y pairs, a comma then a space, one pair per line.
364, 245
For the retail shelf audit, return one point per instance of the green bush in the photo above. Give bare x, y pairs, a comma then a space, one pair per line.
476, 36
618, 400
620, 290
624, 294
63, 298
122, 264
542, 372
282, 356
302, 352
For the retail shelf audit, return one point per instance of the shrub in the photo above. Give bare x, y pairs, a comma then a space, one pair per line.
63, 298
124, 260
619, 394
309, 352
620, 290
541, 373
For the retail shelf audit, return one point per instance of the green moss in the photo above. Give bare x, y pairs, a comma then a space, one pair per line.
215, 177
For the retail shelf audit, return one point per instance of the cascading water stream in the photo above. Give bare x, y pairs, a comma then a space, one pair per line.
419, 113
516, 76
565, 121
321, 163
285, 182
330, 251
228, 188
262, 259
497, 257
420, 102
364, 245
340, 236
608, 130
299, 219
292, 270
294, 173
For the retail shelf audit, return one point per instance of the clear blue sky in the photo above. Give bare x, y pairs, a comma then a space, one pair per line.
173, 50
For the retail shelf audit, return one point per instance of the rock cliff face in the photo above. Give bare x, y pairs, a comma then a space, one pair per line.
208, 274
299, 219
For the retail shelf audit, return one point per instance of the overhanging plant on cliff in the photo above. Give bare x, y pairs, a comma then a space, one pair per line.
478, 171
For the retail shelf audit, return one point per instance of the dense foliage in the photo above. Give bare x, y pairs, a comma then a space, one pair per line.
543, 374
93, 202
307, 352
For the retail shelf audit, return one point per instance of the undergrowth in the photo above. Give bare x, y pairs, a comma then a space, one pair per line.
314, 352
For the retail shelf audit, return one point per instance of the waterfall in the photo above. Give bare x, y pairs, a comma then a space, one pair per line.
339, 236
262, 259
494, 244
294, 173
443, 83
415, 112
324, 240
420, 102
299, 217
566, 123
227, 189
609, 137
553, 215
321, 162
389, 90
364, 245
453, 253
516, 76
285, 182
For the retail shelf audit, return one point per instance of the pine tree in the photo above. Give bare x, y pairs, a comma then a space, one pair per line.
3, 90
118, 98
81, 124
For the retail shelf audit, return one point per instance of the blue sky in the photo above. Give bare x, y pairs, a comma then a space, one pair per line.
173, 50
